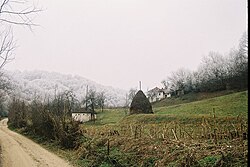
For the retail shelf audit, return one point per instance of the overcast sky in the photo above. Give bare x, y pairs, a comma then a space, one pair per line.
120, 42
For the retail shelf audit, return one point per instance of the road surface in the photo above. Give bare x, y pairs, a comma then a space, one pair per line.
19, 151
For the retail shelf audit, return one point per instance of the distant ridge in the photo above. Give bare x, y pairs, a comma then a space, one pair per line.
43, 84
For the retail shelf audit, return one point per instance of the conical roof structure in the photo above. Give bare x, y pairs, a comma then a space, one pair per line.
140, 104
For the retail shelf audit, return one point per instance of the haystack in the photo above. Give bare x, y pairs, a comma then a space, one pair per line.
140, 104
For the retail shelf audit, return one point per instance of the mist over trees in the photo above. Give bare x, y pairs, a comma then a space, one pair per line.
216, 72
41, 84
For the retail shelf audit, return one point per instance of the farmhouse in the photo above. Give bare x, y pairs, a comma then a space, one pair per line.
157, 94
83, 116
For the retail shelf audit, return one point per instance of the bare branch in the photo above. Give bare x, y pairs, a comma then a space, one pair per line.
6, 48
23, 12
22, 17
19, 23
13, 12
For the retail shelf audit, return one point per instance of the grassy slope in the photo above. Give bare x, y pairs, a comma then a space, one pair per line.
228, 105
151, 151
231, 105
191, 97
111, 116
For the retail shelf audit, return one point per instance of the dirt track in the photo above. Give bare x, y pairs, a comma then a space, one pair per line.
19, 151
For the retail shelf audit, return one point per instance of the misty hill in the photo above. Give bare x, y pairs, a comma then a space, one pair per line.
41, 84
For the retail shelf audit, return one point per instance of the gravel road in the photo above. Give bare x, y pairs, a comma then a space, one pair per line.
19, 151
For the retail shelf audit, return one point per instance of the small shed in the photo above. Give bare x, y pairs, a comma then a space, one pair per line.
83, 116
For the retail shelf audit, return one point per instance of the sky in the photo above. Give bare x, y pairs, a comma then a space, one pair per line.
121, 42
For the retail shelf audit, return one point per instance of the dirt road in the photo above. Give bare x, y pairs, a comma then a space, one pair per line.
19, 151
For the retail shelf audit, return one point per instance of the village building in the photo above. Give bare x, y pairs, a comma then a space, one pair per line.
87, 112
157, 94
83, 116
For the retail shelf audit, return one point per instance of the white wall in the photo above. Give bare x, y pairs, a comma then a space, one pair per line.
82, 117
158, 96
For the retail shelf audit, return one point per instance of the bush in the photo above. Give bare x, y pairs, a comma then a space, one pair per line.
51, 121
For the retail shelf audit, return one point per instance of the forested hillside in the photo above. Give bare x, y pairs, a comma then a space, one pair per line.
42, 85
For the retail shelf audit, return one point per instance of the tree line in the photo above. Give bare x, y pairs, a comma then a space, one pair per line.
216, 72
51, 120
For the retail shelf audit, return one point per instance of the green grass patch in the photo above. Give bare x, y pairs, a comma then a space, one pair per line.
190, 97
226, 106
209, 161
109, 116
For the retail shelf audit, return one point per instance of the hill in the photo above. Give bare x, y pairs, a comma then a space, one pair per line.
224, 107
191, 97
42, 84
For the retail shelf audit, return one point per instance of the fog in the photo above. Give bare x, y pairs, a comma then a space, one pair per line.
121, 42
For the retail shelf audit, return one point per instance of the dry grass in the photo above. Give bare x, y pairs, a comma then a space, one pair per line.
209, 142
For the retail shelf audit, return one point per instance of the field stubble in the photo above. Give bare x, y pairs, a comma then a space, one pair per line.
211, 141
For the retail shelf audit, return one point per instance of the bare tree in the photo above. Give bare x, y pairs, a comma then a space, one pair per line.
180, 80
213, 72
216, 72
126, 104
13, 12
165, 84
100, 99
243, 45
20, 12
7, 45
131, 94
238, 65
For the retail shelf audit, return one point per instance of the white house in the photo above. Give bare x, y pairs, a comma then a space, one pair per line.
157, 94
83, 116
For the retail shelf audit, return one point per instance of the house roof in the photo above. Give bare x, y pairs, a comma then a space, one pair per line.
157, 90
83, 110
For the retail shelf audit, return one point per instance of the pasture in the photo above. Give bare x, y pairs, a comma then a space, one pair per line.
210, 132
